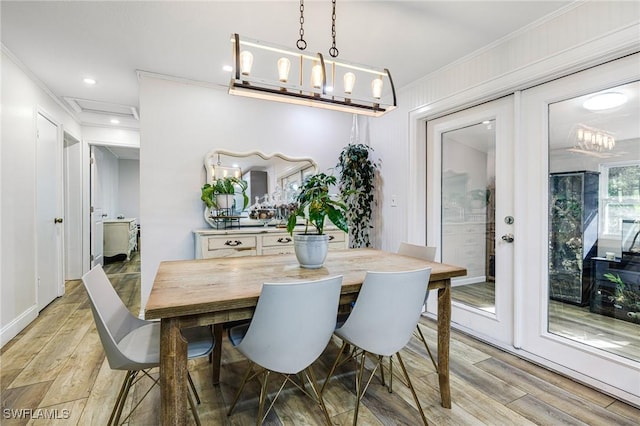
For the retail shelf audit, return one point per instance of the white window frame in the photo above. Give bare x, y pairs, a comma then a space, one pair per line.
605, 200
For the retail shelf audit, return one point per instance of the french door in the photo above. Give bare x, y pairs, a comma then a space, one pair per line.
470, 206
580, 167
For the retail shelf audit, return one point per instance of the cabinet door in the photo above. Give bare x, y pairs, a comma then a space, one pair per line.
228, 246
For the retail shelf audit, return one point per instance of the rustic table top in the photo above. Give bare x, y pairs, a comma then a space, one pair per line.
191, 287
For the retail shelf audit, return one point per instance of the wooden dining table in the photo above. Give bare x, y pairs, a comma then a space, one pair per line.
189, 293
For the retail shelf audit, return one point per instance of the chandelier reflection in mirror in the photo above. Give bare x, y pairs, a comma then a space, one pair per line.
267, 71
593, 140
220, 171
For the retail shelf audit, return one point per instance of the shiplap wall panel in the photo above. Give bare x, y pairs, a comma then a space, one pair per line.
573, 38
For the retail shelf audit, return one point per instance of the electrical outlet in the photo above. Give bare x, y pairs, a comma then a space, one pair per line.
393, 201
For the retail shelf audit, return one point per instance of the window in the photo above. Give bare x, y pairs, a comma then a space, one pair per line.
620, 195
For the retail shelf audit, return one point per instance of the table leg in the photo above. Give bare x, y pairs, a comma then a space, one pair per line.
217, 353
444, 324
173, 373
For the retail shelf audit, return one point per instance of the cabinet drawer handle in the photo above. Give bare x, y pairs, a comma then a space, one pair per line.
284, 240
233, 243
331, 237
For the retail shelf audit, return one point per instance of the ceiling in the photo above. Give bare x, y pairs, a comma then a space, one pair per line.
62, 42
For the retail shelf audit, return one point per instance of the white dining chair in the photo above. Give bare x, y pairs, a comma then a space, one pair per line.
426, 253
290, 328
384, 316
133, 344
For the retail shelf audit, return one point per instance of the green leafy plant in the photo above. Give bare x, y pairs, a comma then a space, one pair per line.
228, 185
357, 178
619, 293
315, 205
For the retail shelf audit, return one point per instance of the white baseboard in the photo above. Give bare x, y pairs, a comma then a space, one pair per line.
12, 329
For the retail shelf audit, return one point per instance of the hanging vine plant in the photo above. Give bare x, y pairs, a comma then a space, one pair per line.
356, 184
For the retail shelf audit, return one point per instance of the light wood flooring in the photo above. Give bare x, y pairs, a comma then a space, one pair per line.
576, 323
57, 363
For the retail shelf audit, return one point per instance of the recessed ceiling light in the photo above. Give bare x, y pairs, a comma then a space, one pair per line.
89, 81
115, 121
227, 68
604, 101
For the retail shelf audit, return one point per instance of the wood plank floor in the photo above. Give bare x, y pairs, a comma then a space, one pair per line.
57, 365
573, 322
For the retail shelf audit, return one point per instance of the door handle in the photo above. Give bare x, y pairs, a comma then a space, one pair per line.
508, 238
57, 220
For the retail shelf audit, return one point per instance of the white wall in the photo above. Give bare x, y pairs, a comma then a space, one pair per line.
576, 37
129, 188
21, 99
180, 123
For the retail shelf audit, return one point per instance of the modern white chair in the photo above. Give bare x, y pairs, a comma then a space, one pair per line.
426, 253
133, 344
290, 328
385, 314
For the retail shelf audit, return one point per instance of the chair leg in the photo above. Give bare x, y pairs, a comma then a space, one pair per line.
242, 385
390, 374
122, 397
193, 388
263, 398
333, 367
421, 337
193, 408
359, 388
314, 386
413, 391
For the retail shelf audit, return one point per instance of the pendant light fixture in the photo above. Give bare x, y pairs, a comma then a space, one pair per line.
267, 71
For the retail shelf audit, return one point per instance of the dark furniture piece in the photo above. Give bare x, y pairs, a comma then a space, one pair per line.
621, 299
573, 235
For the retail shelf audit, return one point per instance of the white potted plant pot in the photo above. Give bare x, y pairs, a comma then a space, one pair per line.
224, 201
311, 249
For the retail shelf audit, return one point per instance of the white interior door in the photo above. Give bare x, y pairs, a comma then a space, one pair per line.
470, 158
577, 321
49, 220
97, 226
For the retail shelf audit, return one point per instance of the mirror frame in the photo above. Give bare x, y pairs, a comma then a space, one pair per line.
208, 165
210, 160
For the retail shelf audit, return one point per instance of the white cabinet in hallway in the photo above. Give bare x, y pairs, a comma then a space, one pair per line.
120, 236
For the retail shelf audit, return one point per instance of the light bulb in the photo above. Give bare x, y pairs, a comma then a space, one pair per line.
376, 87
316, 76
284, 65
587, 136
349, 81
580, 134
246, 61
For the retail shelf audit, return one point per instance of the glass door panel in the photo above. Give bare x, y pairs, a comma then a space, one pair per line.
580, 169
471, 200
468, 211
594, 220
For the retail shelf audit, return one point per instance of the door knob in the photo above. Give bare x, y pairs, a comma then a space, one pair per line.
508, 238
57, 220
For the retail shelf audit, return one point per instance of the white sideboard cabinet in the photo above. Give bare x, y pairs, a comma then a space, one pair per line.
120, 236
253, 241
